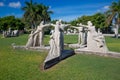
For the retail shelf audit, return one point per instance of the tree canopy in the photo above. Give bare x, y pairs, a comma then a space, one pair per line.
35, 13
11, 22
114, 10
97, 19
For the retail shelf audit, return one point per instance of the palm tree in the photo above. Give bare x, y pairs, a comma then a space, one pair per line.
29, 14
35, 13
114, 10
44, 12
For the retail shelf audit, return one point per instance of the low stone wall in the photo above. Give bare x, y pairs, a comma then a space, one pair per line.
43, 49
108, 54
46, 49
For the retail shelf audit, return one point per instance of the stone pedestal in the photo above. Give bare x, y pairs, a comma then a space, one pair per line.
106, 54
85, 50
74, 46
44, 48
98, 49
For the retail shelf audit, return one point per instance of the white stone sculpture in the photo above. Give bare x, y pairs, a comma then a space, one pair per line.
62, 26
30, 40
15, 33
116, 28
75, 31
68, 31
37, 36
82, 35
51, 32
56, 41
10, 33
4, 34
101, 40
95, 41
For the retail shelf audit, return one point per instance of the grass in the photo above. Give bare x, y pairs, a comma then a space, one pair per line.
25, 65
113, 44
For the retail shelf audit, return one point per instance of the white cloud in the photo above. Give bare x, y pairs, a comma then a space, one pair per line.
50, 7
103, 9
106, 7
15, 4
1, 4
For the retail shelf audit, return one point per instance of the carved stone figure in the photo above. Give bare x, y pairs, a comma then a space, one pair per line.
68, 31
10, 33
30, 40
116, 28
37, 36
4, 34
95, 41
62, 26
15, 33
82, 35
56, 41
75, 31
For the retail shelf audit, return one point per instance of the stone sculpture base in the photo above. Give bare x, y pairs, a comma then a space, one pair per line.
107, 54
65, 54
76, 46
45, 48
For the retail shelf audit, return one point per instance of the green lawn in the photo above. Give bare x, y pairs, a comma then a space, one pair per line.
25, 65
113, 44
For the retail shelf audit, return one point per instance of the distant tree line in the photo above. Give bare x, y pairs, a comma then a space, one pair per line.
97, 19
102, 20
11, 22
34, 13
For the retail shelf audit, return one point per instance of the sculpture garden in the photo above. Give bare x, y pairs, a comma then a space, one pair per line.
23, 64
37, 47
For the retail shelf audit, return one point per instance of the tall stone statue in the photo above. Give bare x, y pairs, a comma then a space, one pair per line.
37, 36
62, 26
95, 41
116, 28
56, 41
82, 35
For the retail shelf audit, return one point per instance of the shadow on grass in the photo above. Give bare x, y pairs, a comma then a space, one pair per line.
65, 54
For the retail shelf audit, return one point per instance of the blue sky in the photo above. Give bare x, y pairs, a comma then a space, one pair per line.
66, 10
